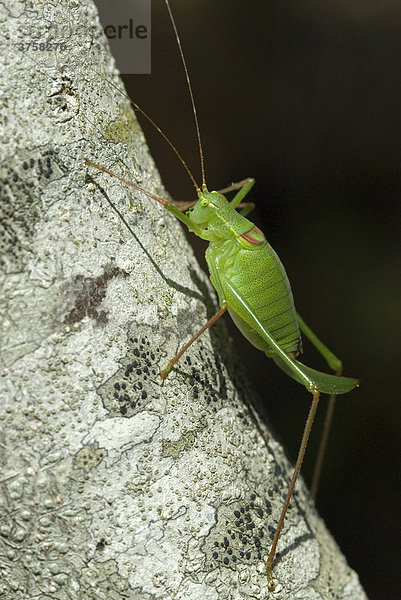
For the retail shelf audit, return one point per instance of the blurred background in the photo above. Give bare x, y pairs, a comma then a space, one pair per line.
305, 97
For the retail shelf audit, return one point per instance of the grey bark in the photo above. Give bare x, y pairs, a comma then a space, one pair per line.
111, 486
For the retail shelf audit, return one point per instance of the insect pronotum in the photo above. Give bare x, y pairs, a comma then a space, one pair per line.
252, 285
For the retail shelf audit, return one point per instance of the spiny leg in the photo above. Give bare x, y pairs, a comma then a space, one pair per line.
165, 372
244, 188
334, 363
239, 185
301, 453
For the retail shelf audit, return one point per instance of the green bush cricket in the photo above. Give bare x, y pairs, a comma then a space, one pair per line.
252, 285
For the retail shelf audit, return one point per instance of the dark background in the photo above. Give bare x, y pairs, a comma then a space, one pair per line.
305, 97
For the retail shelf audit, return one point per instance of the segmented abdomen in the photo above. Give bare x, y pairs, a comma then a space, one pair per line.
260, 279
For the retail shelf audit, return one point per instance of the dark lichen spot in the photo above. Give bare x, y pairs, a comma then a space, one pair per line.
124, 393
88, 293
101, 545
19, 211
234, 520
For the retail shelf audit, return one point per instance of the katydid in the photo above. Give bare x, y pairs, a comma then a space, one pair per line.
252, 285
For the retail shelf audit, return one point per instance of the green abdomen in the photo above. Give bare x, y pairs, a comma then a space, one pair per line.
260, 279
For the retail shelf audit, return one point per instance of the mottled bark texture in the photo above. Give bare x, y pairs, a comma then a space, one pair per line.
112, 487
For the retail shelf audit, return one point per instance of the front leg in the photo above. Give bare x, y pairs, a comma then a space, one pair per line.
244, 188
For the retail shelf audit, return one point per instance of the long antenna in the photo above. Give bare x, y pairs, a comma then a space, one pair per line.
190, 93
151, 121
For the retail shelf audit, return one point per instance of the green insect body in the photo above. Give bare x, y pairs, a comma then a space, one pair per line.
252, 284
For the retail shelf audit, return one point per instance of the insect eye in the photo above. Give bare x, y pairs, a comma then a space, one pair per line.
204, 202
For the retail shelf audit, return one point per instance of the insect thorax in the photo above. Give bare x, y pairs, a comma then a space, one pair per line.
214, 213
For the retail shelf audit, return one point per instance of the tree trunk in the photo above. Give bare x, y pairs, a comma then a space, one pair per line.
111, 486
